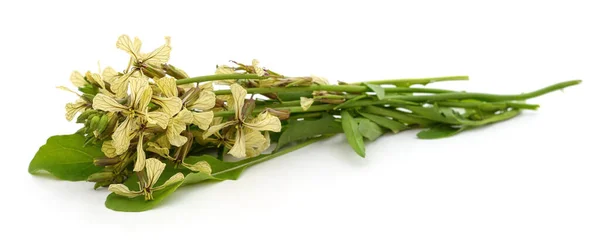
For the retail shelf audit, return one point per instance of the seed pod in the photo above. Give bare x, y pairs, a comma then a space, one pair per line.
106, 161
100, 176
102, 124
94, 123
153, 72
174, 71
101, 184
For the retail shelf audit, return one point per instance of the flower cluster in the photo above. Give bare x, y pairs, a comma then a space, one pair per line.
144, 120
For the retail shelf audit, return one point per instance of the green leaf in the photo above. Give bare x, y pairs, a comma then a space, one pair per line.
385, 122
369, 129
221, 170
440, 131
353, 136
300, 130
379, 91
65, 157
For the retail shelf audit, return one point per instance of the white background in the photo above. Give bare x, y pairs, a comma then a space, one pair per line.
531, 182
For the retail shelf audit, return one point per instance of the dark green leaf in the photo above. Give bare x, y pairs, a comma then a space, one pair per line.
369, 129
300, 130
385, 122
379, 91
353, 136
220, 171
65, 157
440, 131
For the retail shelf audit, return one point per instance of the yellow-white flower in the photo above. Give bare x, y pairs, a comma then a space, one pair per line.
177, 125
257, 69
306, 102
139, 60
319, 80
154, 169
263, 122
223, 69
136, 113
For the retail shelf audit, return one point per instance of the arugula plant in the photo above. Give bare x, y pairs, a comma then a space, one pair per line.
151, 129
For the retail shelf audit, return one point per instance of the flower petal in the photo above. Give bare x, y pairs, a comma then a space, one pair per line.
121, 189
158, 118
167, 86
133, 48
319, 80
141, 155
77, 79
257, 69
215, 128
73, 108
205, 101
154, 168
141, 93
160, 55
201, 166
239, 147
108, 104
172, 180
239, 96
108, 149
122, 136
203, 120
306, 102
109, 74
170, 105
157, 149
264, 122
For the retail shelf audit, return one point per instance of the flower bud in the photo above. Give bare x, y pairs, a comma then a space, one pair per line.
102, 124
94, 123
281, 114
84, 116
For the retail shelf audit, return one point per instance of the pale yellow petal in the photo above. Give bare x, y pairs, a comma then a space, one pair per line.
141, 155
133, 48
107, 103
108, 149
158, 118
203, 120
121, 137
154, 168
157, 149
256, 143
223, 69
264, 122
170, 105
206, 86
119, 85
121, 189
201, 166
77, 79
172, 180
319, 80
239, 96
259, 70
73, 108
109, 74
306, 102
239, 147
141, 93
67, 90
160, 55
205, 101
215, 128
177, 125
167, 86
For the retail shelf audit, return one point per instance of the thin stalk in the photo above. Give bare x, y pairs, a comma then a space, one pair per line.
484, 96
411, 81
217, 77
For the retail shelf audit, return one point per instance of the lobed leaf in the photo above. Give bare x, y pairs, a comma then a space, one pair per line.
300, 130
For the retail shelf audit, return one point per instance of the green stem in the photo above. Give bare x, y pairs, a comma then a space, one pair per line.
411, 81
217, 77
484, 96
